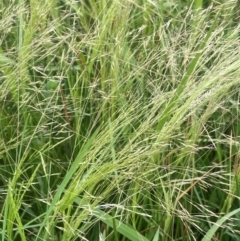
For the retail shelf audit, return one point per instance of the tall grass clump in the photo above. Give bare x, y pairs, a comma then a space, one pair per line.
119, 120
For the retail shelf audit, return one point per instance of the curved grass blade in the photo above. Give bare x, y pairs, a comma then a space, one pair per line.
193, 64
65, 181
208, 236
120, 227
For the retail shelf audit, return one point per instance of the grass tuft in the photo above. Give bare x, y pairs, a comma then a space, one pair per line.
119, 120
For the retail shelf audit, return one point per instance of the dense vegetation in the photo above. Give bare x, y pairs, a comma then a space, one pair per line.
119, 120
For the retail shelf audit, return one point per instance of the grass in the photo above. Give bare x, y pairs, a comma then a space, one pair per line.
119, 120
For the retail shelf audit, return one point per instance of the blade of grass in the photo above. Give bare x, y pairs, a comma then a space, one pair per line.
65, 181
198, 4
173, 101
125, 230
5, 59
156, 236
208, 236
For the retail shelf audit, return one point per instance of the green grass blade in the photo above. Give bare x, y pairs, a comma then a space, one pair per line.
156, 236
4, 59
208, 236
122, 228
173, 101
198, 4
67, 178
